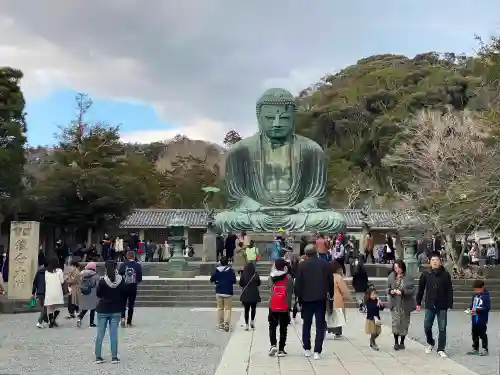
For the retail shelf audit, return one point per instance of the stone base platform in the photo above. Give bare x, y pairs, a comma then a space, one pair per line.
247, 354
12, 306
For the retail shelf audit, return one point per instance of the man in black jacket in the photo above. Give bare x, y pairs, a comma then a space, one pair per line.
438, 289
313, 285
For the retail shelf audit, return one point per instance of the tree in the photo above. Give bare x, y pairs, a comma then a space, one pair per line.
182, 183
356, 113
231, 138
440, 152
94, 182
12, 140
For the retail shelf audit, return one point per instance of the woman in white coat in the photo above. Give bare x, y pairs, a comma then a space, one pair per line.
54, 296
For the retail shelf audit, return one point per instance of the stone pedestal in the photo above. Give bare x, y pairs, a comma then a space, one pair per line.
409, 246
23, 258
209, 246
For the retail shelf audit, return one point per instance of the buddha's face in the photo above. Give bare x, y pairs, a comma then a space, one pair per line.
277, 121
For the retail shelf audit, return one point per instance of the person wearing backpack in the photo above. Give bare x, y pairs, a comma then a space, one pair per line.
279, 306
250, 296
224, 278
89, 279
131, 270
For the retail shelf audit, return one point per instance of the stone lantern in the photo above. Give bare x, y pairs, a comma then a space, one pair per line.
176, 238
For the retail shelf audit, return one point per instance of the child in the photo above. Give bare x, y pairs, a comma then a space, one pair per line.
373, 323
279, 306
224, 279
479, 309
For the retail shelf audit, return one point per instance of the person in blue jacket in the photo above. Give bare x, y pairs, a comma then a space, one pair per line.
480, 310
224, 278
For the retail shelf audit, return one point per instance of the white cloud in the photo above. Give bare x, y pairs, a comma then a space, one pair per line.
203, 64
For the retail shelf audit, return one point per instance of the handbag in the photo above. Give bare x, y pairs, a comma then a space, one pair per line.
377, 322
336, 318
32, 302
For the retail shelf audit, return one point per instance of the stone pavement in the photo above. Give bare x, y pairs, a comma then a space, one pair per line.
459, 339
166, 341
246, 354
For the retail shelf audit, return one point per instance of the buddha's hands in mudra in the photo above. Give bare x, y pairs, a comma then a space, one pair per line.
286, 210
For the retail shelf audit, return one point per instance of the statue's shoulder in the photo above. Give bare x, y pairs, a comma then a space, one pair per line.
308, 143
248, 143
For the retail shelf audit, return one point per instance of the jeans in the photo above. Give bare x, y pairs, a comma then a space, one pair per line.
92, 315
479, 332
130, 296
316, 309
442, 318
281, 319
249, 311
102, 322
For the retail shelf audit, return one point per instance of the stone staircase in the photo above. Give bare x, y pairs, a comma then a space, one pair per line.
200, 293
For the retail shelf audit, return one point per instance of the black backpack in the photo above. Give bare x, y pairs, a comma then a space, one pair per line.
87, 284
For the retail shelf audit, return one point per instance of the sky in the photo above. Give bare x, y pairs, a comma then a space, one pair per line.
161, 68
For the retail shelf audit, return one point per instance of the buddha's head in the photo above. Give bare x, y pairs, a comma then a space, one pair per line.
276, 114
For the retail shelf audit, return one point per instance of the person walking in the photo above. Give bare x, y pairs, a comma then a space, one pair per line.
240, 258
359, 281
340, 296
479, 309
313, 286
401, 302
111, 294
224, 278
131, 272
73, 280
54, 295
88, 293
38, 292
250, 296
438, 289
281, 285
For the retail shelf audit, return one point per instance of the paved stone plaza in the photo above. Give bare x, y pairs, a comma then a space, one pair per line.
246, 353
174, 341
459, 340
164, 341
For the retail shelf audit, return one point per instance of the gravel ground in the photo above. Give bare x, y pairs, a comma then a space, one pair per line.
163, 341
459, 340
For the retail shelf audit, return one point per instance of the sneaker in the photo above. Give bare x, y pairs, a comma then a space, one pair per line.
123, 323
282, 353
226, 327
272, 351
396, 347
115, 360
220, 326
40, 325
484, 353
252, 324
338, 337
374, 347
316, 356
429, 349
79, 323
99, 360
473, 352
93, 325
247, 327
307, 353
402, 347
442, 354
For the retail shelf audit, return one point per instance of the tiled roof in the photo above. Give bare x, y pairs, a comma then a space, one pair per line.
196, 218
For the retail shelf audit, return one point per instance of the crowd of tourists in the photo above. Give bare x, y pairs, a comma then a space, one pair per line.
314, 286
108, 299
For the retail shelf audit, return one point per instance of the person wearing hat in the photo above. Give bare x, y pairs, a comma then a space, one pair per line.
313, 287
88, 300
